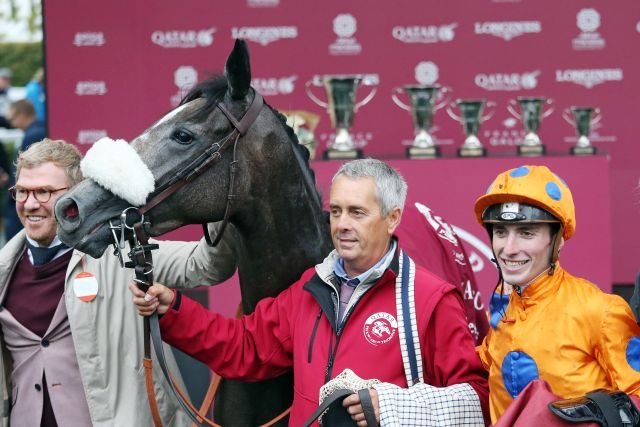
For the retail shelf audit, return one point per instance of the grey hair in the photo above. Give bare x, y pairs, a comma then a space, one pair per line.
391, 188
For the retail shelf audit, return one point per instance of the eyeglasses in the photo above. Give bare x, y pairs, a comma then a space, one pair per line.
42, 195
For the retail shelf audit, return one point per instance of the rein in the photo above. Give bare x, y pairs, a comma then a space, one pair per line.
141, 259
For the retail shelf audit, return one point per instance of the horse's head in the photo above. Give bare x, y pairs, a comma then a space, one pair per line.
180, 143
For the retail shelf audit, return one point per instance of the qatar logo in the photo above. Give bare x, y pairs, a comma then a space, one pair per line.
345, 26
264, 35
89, 136
263, 3
176, 39
95, 38
91, 87
442, 229
380, 328
588, 22
185, 78
426, 73
508, 30
424, 33
274, 86
590, 77
507, 81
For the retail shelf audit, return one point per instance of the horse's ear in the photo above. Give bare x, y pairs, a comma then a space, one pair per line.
238, 70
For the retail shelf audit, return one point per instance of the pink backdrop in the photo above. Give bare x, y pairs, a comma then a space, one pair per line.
114, 67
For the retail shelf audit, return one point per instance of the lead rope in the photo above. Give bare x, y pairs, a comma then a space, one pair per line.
141, 255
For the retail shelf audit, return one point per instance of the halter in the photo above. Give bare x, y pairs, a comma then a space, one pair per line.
141, 250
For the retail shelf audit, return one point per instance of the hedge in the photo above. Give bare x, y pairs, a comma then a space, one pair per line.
23, 59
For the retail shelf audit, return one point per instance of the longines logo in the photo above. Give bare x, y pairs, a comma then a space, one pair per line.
508, 29
424, 33
508, 81
185, 78
264, 35
91, 87
263, 3
92, 38
590, 77
588, 21
426, 73
89, 136
274, 86
345, 26
183, 39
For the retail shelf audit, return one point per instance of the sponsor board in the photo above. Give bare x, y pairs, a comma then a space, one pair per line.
264, 35
507, 81
89, 38
185, 78
89, 136
511, 134
91, 87
588, 21
424, 33
426, 72
590, 77
508, 30
270, 86
183, 39
263, 3
345, 26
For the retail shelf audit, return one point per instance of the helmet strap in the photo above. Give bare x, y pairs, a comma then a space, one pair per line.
555, 250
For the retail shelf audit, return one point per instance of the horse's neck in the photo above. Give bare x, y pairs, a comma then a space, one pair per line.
280, 239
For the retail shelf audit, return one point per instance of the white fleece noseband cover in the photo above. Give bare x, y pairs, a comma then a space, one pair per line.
116, 166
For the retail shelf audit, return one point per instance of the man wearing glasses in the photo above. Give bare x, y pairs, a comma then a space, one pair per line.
71, 339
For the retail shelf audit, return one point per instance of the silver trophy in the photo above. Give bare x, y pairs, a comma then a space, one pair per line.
531, 116
582, 118
423, 105
471, 117
341, 105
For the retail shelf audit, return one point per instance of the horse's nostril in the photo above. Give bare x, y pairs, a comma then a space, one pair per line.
71, 211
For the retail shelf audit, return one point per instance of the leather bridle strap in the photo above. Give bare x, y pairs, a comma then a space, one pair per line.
210, 156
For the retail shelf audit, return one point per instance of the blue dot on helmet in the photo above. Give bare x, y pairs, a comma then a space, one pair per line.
519, 172
561, 180
553, 190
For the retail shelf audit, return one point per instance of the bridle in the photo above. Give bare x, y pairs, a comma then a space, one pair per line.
141, 259
208, 158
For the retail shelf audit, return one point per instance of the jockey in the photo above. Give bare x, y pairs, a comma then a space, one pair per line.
555, 326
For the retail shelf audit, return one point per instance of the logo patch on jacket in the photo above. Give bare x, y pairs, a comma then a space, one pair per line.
380, 328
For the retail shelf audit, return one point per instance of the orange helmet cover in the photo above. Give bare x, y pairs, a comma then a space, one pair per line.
536, 186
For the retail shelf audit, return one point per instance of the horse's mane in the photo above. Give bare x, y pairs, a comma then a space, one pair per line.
213, 90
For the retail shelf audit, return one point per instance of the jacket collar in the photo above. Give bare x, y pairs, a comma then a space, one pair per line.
541, 289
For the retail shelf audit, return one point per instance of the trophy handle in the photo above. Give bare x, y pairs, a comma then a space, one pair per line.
566, 115
550, 110
313, 97
511, 107
491, 113
445, 90
451, 114
366, 100
394, 96
597, 116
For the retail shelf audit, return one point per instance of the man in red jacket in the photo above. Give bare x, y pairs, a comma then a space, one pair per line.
344, 316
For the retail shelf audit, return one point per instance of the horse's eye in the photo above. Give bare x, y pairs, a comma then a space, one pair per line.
182, 136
